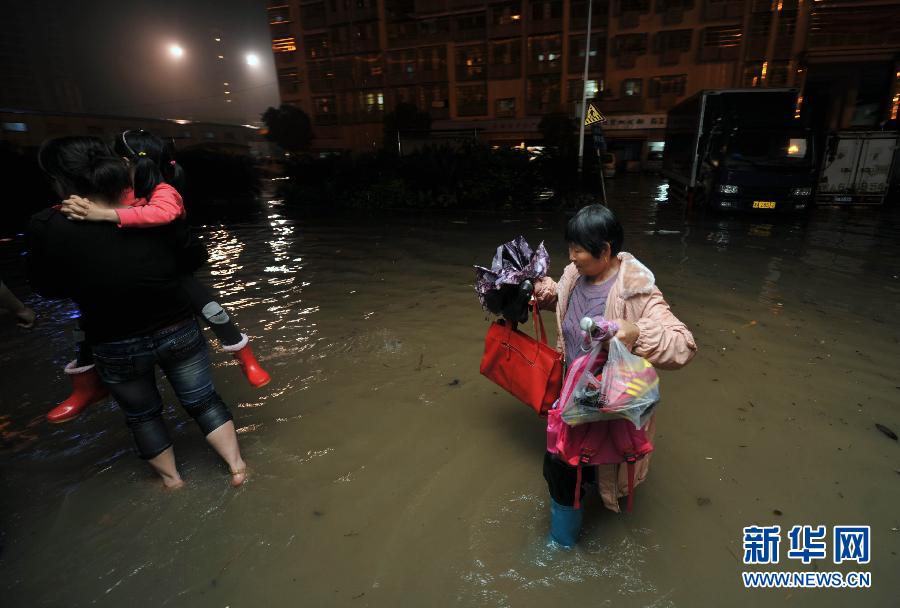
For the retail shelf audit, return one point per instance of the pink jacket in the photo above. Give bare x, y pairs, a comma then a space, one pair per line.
164, 206
663, 340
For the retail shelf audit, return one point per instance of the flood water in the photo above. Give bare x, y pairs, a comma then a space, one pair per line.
388, 472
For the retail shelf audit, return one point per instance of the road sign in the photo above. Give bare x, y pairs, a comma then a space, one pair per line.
593, 115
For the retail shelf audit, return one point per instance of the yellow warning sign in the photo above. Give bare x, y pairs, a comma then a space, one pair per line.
593, 115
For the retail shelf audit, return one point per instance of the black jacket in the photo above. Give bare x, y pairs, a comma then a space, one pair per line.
126, 281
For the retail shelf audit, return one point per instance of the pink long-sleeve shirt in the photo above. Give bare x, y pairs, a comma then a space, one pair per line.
164, 206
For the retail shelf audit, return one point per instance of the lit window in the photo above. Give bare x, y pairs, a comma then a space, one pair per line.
284, 45
16, 127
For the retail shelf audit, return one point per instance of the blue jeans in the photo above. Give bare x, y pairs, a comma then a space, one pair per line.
128, 368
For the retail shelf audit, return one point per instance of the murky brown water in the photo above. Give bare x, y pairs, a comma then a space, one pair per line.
388, 472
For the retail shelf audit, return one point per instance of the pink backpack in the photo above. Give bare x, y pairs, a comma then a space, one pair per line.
594, 443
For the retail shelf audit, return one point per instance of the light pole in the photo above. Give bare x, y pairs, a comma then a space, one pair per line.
587, 58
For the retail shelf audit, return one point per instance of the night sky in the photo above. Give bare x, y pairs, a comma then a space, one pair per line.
119, 56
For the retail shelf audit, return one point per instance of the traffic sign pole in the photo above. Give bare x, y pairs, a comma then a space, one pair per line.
587, 58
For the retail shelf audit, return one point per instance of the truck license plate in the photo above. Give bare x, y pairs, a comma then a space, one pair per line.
763, 204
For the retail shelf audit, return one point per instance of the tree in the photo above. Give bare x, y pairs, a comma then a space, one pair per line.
405, 117
289, 127
559, 132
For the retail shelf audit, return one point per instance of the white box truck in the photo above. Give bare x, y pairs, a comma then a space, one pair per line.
856, 168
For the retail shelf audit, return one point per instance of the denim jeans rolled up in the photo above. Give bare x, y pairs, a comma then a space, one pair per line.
128, 368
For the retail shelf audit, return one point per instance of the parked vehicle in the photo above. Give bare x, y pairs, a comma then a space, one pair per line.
609, 164
740, 149
856, 168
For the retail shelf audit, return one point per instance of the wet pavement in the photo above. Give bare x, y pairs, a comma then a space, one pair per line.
387, 471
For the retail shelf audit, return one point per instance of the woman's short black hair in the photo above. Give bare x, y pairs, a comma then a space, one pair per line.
153, 161
85, 166
593, 227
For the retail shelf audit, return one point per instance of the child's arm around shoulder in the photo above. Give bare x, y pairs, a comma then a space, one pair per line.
164, 206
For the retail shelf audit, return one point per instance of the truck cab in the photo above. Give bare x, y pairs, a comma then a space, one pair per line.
757, 169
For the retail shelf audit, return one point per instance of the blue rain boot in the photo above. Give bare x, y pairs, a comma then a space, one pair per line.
565, 523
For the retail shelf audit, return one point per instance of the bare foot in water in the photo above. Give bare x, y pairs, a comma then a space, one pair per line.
239, 475
172, 483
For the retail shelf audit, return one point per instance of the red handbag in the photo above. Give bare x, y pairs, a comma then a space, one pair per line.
527, 368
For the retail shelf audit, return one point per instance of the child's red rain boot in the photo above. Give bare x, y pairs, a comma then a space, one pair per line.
256, 375
87, 389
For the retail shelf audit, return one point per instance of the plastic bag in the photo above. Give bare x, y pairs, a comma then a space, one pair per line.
628, 387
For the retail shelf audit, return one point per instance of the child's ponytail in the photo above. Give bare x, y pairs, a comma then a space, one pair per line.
152, 160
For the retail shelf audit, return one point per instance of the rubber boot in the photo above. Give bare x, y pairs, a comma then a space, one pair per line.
256, 375
87, 389
565, 523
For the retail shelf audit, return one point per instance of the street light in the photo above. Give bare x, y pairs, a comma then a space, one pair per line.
176, 51
252, 60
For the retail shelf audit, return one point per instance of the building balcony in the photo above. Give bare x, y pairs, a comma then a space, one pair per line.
545, 26
314, 23
629, 20
325, 120
321, 85
540, 108
505, 71
439, 113
339, 16
670, 57
596, 64
543, 67
507, 30
719, 11
472, 108
433, 75
470, 72
469, 35
673, 16
623, 105
402, 78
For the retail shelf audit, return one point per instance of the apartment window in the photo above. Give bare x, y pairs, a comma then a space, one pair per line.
471, 22
324, 110
435, 96
506, 52
593, 89
544, 11
288, 80
371, 102
506, 14
633, 6
402, 31
545, 50
667, 85
720, 43
505, 108
279, 14
433, 58
632, 87
578, 15
402, 63
663, 6
576, 52
543, 94
284, 45
317, 46
431, 28
312, 15
470, 61
629, 44
471, 100
672, 40
404, 95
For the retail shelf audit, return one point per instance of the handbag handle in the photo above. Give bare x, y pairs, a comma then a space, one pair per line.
538, 322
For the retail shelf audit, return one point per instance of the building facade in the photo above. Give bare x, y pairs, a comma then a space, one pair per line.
499, 66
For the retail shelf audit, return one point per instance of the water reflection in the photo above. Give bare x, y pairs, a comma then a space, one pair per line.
387, 468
